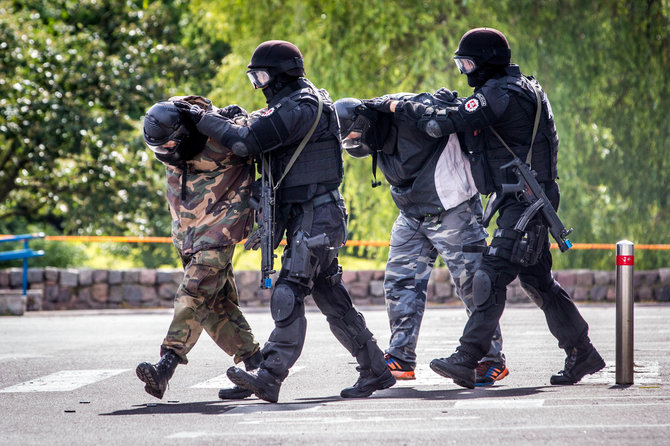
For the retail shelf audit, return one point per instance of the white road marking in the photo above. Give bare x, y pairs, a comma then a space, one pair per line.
266, 408
192, 435
644, 373
498, 403
222, 381
448, 428
63, 381
12, 356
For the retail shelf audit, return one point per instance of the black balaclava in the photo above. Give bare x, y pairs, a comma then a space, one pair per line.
277, 84
282, 60
487, 71
489, 49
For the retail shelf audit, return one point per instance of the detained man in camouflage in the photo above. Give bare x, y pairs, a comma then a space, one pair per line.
440, 213
208, 189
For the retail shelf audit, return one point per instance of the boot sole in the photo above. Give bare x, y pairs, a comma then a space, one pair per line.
241, 382
403, 375
452, 373
146, 374
559, 380
234, 394
384, 383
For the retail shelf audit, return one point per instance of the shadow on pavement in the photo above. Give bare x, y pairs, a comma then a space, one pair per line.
205, 408
460, 394
220, 407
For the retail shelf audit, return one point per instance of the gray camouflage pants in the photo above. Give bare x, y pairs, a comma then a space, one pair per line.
415, 244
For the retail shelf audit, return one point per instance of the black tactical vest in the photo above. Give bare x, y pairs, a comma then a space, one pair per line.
515, 127
318, 168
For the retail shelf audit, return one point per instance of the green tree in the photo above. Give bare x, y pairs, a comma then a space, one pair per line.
604, 66
75, 78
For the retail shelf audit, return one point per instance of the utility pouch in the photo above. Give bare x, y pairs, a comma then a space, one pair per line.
481, 173
528, 248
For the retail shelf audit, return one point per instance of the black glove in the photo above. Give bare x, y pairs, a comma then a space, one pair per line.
254, 241
446, 95
233, 110
382, 104
191, 111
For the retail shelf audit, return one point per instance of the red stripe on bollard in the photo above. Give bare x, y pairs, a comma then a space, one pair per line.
625, 260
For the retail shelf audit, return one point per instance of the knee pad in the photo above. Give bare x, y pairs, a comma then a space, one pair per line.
282, 302
482, 289
351, 331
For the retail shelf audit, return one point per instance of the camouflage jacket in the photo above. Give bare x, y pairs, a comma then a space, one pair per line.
214, 210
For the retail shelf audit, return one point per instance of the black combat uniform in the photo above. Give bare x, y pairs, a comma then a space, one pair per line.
505, 102
307, 204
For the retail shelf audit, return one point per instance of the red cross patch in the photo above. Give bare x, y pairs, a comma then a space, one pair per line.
471, 105
268, 112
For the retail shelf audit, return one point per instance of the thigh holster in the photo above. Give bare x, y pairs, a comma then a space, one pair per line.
521, 248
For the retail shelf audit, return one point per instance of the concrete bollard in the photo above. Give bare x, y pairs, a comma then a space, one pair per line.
625, 261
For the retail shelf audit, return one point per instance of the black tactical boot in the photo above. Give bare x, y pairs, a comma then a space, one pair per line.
156, 376
460, 367
367, 383
237, 392
260, 382
581, 361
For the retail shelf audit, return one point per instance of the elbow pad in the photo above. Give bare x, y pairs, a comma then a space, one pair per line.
437, 124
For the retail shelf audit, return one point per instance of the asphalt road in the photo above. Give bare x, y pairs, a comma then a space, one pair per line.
67, 378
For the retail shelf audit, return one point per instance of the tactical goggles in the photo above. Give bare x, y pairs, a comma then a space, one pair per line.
466, 65
259, 77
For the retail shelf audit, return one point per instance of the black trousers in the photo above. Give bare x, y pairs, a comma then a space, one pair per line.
286, 341
562, 316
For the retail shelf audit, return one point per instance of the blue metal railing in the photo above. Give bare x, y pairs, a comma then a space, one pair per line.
24, 253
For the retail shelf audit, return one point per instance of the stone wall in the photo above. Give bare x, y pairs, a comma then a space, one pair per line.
65, 289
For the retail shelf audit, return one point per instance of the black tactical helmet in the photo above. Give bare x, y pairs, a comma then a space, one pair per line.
273, 58
163, 123
483, 46
346, 113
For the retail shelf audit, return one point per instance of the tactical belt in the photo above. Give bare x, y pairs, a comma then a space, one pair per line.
509, 234
319, 200
474, 248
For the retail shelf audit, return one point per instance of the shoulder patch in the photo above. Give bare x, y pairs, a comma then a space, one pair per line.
471, 105
482, 99
270, 111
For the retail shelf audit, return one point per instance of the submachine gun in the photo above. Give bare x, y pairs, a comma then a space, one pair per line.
264, 235
530, 191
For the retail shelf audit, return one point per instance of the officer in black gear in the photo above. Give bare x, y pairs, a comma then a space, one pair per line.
499, 118
297, 136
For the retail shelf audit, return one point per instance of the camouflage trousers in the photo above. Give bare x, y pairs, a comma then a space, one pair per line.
207, 299
415, 244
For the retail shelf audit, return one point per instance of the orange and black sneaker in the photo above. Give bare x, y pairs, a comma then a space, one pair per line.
488, 372
400, 369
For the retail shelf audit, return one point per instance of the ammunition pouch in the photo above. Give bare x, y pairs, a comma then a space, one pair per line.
520, 248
